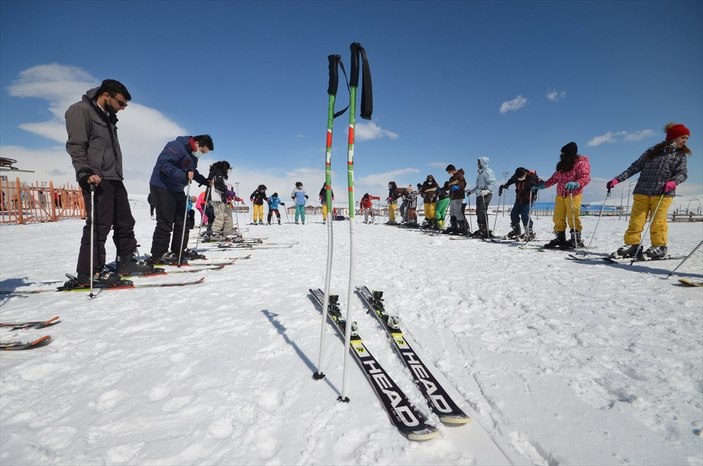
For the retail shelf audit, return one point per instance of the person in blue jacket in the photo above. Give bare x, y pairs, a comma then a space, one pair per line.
274, 201
175, 167
299, 196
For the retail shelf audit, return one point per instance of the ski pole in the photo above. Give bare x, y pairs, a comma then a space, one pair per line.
607, 194
183, 231
357, 51
207, 199
646, 227
92, 238
495, 220
573, 223
334, 62
684, 260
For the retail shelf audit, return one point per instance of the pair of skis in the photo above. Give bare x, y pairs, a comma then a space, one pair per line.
27, 345
409, 421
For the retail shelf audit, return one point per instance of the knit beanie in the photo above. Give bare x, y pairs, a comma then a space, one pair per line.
570, 150
673, 131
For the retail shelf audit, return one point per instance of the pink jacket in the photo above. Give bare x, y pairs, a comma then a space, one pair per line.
581, 173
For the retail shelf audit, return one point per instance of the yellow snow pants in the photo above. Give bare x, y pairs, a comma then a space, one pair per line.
391, 211
642, 208
430, 210
564, 214
258, 213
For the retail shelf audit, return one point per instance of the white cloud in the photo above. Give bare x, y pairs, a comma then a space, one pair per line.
368, 131
143, 130
555, 96
617, 136
512, 105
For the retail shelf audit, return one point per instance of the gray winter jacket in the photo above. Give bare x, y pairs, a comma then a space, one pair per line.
668, 165
92, 140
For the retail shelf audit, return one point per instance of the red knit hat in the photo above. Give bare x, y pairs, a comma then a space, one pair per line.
674, 131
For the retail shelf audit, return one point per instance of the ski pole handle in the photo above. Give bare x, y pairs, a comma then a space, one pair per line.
334, 77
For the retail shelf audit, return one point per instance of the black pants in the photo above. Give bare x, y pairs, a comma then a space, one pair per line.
170, 215
482, 203
271, 212
111, 211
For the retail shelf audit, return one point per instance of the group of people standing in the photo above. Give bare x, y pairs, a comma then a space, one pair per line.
94, 148
661, 167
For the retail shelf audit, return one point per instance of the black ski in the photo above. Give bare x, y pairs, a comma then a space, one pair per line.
627, 260
404, 416
25, 345
31, 324
122, 285
437, 397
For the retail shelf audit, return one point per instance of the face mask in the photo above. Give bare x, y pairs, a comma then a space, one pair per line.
196, 154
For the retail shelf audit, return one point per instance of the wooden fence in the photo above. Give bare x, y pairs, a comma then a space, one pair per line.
22, 202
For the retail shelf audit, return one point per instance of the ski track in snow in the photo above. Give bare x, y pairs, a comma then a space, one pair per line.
556, 361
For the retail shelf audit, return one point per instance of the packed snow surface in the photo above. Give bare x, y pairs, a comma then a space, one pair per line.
558, 362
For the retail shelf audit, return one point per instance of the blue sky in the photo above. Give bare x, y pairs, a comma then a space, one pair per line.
453, 81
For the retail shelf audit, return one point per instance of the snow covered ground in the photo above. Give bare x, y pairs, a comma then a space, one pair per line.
558, 362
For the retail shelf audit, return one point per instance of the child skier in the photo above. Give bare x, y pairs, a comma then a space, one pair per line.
299, 196
366, 205
257, 199
428, 192
661, 167
323, 202
573, 173
485, 185
274, 201
525, 182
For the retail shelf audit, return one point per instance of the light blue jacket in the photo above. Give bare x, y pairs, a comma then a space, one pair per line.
486, 179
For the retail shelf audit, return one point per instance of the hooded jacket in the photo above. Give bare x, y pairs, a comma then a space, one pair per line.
173, 164
92, 140
485, 179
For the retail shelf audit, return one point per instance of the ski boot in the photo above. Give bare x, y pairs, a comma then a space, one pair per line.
557, 243
130, 264
515, 232
655, 253
575, 241
102, 279
628, 250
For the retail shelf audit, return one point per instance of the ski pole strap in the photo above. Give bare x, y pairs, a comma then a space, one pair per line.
335, 61
366, 90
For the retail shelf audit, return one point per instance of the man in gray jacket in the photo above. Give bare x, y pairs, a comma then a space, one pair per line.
96, 156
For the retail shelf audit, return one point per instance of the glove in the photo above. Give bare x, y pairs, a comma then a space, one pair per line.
611, 184
572, 185
669, 186
454, 188
500, 190
540, 185
283, 203
484, 192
